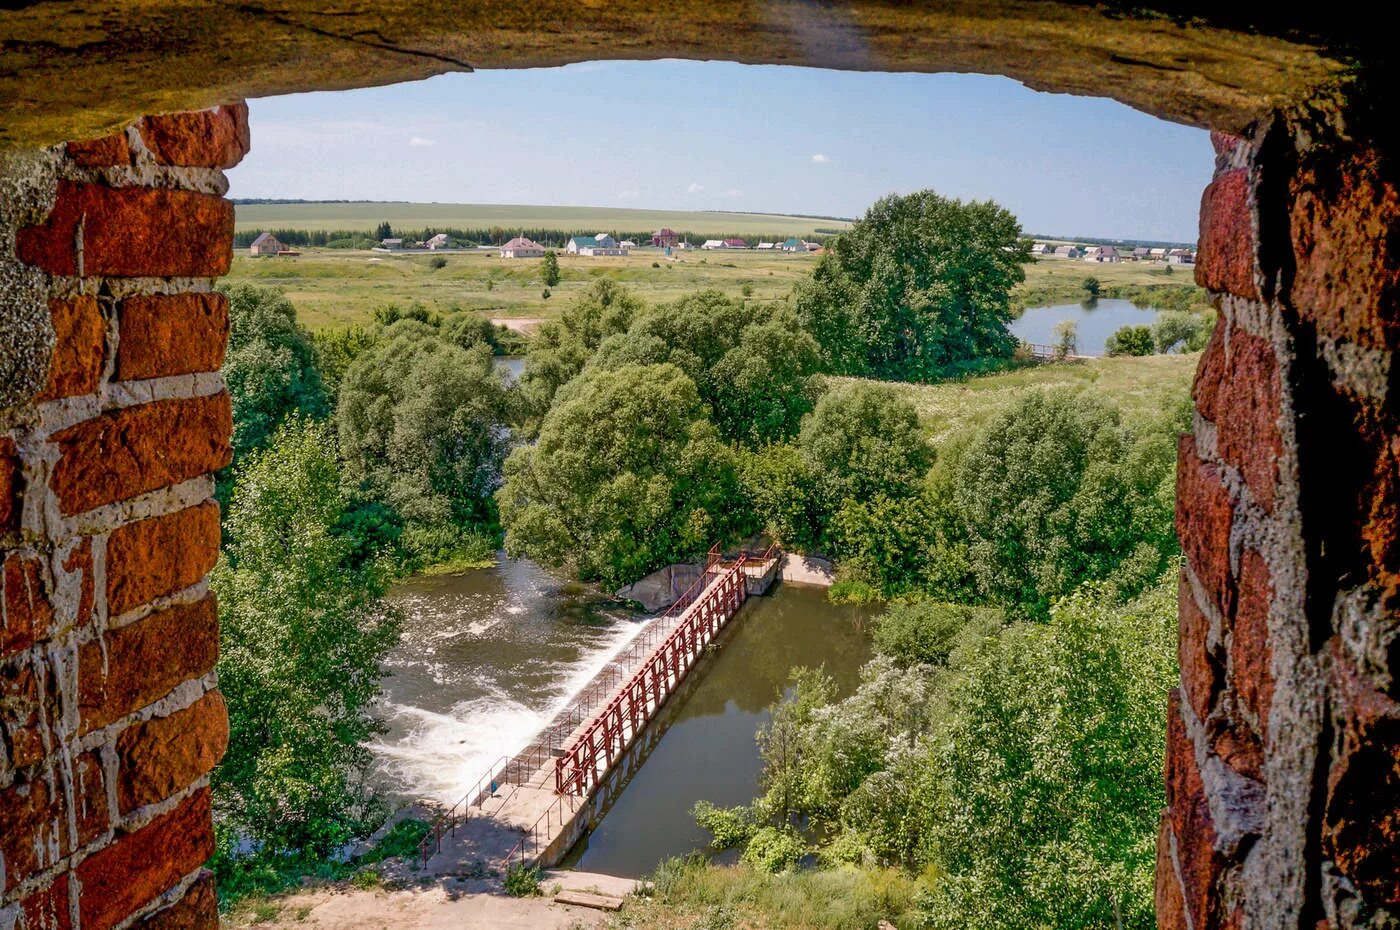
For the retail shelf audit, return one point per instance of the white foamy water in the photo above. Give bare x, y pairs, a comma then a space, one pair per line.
486, 660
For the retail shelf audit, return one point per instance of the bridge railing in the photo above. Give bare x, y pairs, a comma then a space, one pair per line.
446, 822
631, 706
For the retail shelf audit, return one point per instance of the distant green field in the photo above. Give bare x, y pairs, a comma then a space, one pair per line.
338, 287
366, 216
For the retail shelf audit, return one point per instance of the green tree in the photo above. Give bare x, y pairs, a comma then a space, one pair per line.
778, 485
422, 427
562, 347
1181, 329
918, 289
1129, 340
1066, 338
860, 441
1056, 492
924, 632
303, 636
549, 269
336, 349
754, 370
383, 231
270, 368
1046, 773
1091, 287
628, 475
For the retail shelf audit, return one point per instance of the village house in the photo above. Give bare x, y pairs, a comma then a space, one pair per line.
1158, 255
627, 244
1181, 257
664, 237
794, 245
437, 242
1068, 251
390, 243
735, 244
520, 247
601, 244
712, 244
1042, 248
265, 244
1141, 253
767, 246
1102, 253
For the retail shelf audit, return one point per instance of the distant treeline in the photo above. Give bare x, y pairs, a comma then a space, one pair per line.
491, 236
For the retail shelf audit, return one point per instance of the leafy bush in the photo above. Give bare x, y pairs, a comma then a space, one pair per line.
522, 881
437, 262
1178, 329
1129, 340
729, 826
924, 632
774, 850
1091, 287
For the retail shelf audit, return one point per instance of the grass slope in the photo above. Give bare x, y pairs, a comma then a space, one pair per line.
1140, 387
366, 216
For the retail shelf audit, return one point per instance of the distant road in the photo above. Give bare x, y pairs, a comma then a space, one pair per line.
364, 217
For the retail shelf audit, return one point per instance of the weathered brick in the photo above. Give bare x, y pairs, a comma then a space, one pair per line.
90, 797
1196, 836
172, 334
1169, 907
23, 712
79, 561
197, 910
1200, 670
126, 452
159, 556
132, 232
1226, 258
11, 482
80, 343
163, 755
144, 661
33, 834
1238, 389
1204, 516
216, 138
106, 152
48, 908
27, 614
1250, 654
139, 866
1345, 225
1361, 819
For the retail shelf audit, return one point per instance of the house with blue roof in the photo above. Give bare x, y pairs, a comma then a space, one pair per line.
601, 244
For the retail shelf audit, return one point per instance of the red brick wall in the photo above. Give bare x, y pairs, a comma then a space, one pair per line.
1283, 745
109, 718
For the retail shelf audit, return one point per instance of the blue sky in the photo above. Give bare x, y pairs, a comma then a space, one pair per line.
722, 136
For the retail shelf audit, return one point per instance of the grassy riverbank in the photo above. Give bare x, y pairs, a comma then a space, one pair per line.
1138, 386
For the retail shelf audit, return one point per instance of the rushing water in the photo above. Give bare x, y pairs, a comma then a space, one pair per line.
486, 659
1097, 320
708, 750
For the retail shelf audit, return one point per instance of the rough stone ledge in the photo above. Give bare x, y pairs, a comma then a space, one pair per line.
119, 394
159, 502
118, 288
193, 594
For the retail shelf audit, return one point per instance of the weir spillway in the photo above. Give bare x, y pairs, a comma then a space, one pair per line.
532, 808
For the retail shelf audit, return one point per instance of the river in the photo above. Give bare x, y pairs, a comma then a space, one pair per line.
1097, 320
488, 656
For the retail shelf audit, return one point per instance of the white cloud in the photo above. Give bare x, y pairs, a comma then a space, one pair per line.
820, 159
695, 187
419, 141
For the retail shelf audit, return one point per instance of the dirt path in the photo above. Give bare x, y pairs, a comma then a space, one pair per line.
521, 324
444, 905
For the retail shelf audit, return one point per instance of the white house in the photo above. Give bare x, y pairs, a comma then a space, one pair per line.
1042, 248
437, 242
712, 244
601, 244
1157, 255
767, 246
1102, 253
1067, 251
1181, 257
265, 244
627, 244
520, 247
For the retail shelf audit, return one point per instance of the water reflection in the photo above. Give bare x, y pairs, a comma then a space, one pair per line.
1096, 321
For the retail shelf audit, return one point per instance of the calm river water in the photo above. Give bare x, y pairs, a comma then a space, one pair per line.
1097, 321
487, 657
